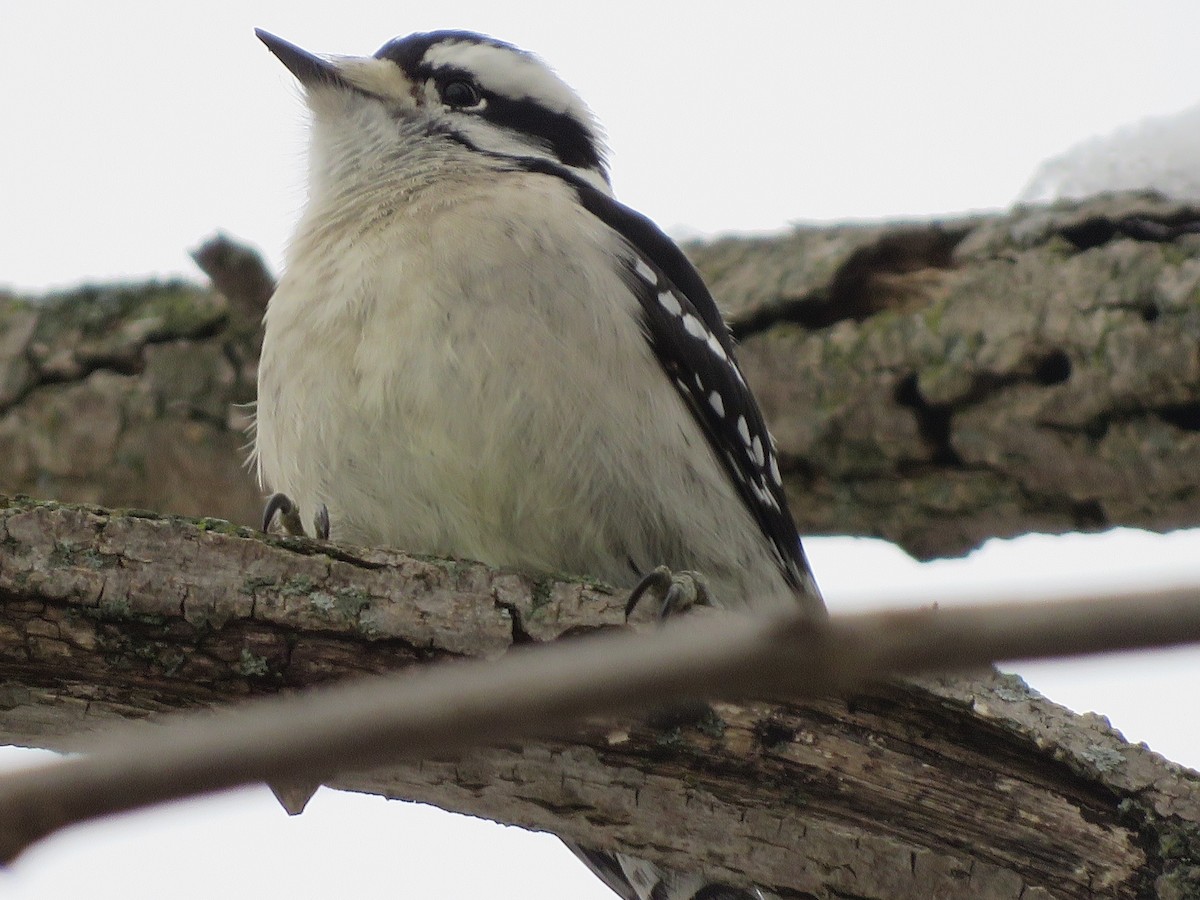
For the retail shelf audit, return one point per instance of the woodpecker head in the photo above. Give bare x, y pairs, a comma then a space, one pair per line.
484, 94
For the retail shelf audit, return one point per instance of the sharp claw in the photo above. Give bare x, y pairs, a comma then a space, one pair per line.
321, 523
280, 504
276, 504
678, 592
656, 582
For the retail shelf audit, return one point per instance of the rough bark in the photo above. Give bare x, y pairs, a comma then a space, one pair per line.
940, 384
943, 787
135, 395
933, 384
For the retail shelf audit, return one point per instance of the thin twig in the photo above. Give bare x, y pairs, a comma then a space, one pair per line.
452, 707
238, 271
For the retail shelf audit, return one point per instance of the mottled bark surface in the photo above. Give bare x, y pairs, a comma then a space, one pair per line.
129, 396
933, 384
947, 787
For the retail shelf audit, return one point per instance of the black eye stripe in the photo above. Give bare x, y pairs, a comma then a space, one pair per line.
570, 140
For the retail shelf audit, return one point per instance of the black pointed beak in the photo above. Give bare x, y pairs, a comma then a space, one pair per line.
309, 69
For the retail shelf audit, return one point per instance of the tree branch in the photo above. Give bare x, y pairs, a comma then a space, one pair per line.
939, 778
940, 384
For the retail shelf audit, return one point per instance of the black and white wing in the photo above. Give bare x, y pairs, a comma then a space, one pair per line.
682, 323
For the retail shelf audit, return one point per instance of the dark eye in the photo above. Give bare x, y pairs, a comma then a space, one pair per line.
460, 94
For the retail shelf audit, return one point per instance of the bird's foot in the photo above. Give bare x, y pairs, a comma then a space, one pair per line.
281, 505
676, 592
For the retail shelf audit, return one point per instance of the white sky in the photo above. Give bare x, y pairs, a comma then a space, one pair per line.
134, 129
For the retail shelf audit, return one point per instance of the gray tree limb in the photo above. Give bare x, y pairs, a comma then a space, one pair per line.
939, 384
934, 384
904, 790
